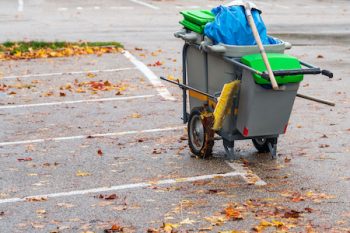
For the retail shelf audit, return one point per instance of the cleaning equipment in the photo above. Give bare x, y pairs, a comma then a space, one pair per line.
225, 101
229, 93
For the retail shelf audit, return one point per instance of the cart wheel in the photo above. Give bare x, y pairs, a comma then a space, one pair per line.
200, 134
265, 145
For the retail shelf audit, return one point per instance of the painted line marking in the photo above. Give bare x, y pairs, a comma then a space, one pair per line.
145, 4
67, 73
247, 174
76, 101
193, 7
162, 90
62, 9
121, 187
97, 7
121, 8
57, 139
79, 8
20, 6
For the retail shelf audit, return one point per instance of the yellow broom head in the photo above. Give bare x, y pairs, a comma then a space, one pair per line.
225, 101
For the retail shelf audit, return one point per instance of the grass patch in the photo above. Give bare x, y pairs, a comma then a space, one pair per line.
24, 47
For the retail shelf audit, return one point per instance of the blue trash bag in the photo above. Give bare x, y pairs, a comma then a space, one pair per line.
231, 27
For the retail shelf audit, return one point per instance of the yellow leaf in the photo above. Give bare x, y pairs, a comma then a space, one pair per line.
89, 50
80, 90
41, 211
168, 227
136, 115
91, 75
82, 173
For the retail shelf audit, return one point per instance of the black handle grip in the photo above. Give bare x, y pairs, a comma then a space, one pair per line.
327, 73
292, 72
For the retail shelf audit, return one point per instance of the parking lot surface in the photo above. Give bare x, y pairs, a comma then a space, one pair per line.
76, 159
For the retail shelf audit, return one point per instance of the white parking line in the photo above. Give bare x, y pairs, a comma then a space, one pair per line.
79, 8
76, 102
162, 90
121, 7
20, 5
145, 4
247, 174
120, 187
97, 7
67, 73
62, 9
57, 139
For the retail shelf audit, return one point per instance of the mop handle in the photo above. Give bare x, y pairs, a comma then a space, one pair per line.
260, 45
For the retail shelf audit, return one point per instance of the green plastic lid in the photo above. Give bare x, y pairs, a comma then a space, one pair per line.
278, 61
199, 17
192, 26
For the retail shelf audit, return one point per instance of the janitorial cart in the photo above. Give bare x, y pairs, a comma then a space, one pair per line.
236, 92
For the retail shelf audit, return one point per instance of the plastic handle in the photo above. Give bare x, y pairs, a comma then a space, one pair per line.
327, 73
216, 48
287, 45
189, 37
178, 33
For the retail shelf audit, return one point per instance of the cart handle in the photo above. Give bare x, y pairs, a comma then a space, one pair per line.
311, 69
186, 87
185, 36
297, 72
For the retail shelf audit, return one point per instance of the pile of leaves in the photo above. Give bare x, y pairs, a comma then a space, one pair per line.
39, 49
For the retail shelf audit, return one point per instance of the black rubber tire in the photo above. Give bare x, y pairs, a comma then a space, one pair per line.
205, 151
263, 147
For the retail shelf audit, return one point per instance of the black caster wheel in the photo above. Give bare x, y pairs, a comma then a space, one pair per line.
265, 145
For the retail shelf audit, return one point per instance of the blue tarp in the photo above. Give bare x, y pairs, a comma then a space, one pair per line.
231, 27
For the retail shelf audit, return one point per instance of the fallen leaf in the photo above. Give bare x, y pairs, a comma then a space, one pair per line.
169, 227
41, 211
36, 199
232, 213
99, 152
292, 214
91, 75
114, 228
62, 94
26, 159
136, 115
82, 173
108, 197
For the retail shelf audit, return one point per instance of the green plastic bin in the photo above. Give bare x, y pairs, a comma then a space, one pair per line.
278, 62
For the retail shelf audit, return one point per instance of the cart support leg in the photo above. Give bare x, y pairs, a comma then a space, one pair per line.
273, 148
184, 81
229, 149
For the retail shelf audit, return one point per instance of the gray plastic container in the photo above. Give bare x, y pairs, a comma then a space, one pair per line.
263, 111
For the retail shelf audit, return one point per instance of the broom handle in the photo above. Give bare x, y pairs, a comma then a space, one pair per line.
260, 45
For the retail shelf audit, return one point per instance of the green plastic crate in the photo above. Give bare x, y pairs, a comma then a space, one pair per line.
192, 26
199, 17
278, 62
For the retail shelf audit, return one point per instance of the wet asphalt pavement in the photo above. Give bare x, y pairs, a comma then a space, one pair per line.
84, 147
